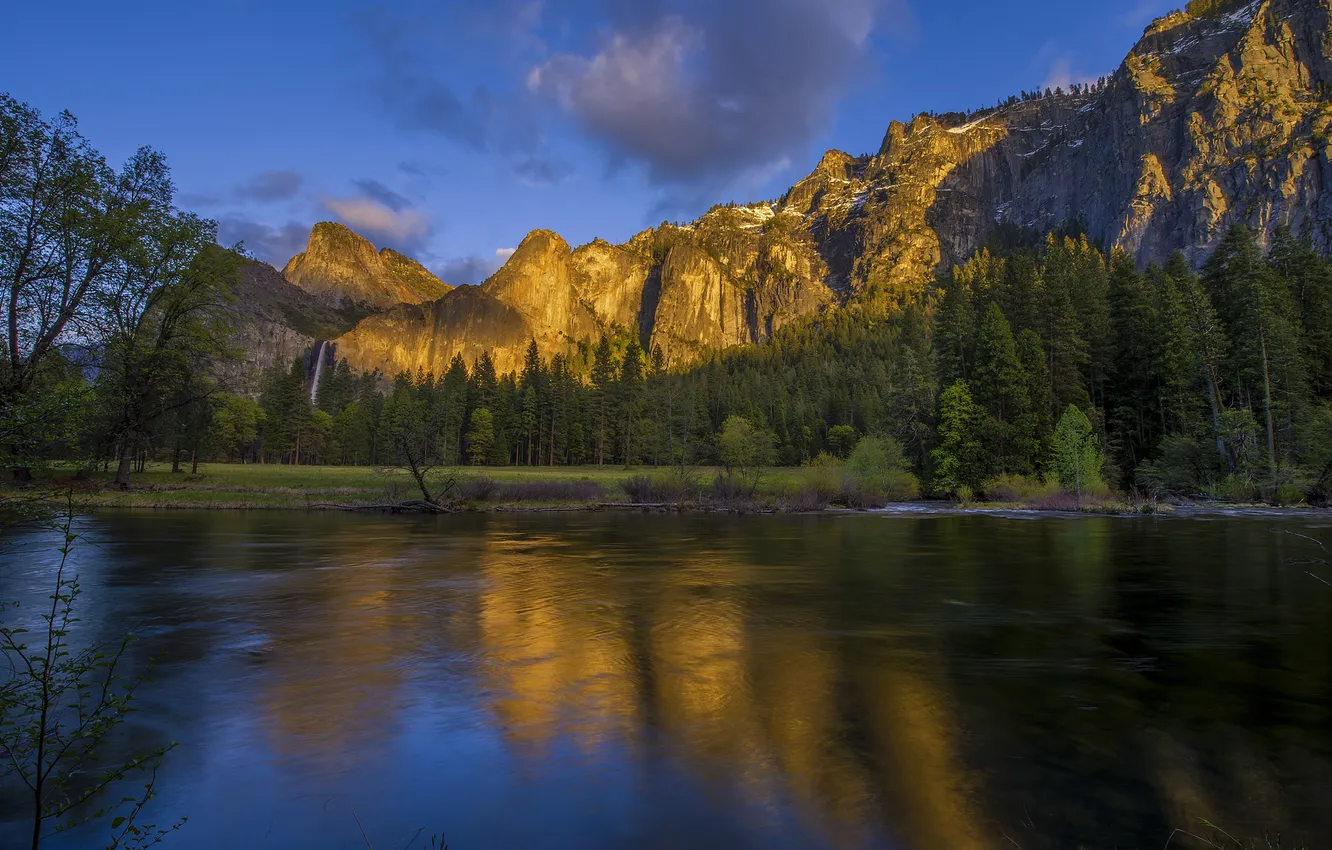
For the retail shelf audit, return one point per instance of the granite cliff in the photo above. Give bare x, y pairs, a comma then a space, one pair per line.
1220, 114
343, 269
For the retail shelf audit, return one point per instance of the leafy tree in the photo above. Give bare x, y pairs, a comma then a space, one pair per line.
842, 439
744, 449
235, 426
70, 226
959, 459
163, 331
1077, 453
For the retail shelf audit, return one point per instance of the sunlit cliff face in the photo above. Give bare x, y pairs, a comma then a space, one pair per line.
1212, 119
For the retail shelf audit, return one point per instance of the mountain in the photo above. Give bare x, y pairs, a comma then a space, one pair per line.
1220, 114
343, 268
278, 322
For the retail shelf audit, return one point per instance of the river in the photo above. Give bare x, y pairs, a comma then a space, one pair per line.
644, 681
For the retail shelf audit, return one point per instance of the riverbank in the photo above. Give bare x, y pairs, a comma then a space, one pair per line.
524, 489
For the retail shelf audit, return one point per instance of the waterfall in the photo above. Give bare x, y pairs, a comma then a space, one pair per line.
319, 370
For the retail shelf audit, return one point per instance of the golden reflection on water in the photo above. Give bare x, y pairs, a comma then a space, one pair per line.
573, 643
752, 704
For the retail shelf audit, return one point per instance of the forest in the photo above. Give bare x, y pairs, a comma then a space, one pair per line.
1041, 358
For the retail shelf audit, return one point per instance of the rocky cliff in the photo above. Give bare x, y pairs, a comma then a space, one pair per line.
276, 323
343, 269
1220, 114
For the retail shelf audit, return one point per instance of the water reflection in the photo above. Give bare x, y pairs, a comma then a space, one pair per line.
590, 681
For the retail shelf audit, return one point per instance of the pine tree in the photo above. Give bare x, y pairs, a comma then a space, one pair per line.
1000, 388
603, 380
629, 399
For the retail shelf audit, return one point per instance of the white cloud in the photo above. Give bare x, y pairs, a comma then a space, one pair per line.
695, 89
1062, 75
503, 254
403, 229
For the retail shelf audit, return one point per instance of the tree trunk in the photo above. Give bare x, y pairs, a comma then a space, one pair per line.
123, 470
1267, 404
194, 462
1213, 400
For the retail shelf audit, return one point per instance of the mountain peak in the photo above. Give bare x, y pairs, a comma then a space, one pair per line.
342, 267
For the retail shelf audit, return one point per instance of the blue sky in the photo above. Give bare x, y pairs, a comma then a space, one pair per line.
448, 130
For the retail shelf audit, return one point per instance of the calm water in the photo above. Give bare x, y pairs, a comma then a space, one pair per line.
589, 681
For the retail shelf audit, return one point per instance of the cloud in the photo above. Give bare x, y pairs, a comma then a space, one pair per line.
421, 95
462, 271
273, 245
703, 89
503, 254
542, 172
377, 191
271, 186
405, 230
1062, 75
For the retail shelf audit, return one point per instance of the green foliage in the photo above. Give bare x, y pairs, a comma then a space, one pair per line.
842, 439
958, 460
744, 449
1187, 381
1077, 456
63, 699
480, 436
1018, 489
878, 470
743, 445
235, 426
1208, 8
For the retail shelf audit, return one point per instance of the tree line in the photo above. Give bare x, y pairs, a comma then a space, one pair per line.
1038, 358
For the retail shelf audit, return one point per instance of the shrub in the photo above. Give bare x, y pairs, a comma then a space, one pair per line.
1233, 488
1288, 494
1181, 468
730, 489
1016, 489
964, 495
878, 471
652, 489
862, 498
478, 489
1059, 500
823, 478
804, 498
582, 490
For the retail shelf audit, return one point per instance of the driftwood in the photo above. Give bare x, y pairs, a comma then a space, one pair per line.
635, 507
419, 506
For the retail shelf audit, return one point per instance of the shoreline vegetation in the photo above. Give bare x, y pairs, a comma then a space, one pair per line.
799, 490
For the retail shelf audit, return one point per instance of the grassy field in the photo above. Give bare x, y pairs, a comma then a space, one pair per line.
274, 486
222, 486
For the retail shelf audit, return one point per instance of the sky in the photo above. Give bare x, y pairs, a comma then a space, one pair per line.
448, 130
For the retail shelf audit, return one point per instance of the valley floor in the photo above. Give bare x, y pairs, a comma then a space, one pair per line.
223, 486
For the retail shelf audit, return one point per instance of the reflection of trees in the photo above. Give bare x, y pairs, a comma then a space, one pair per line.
751, 692
556, 648
937, 682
